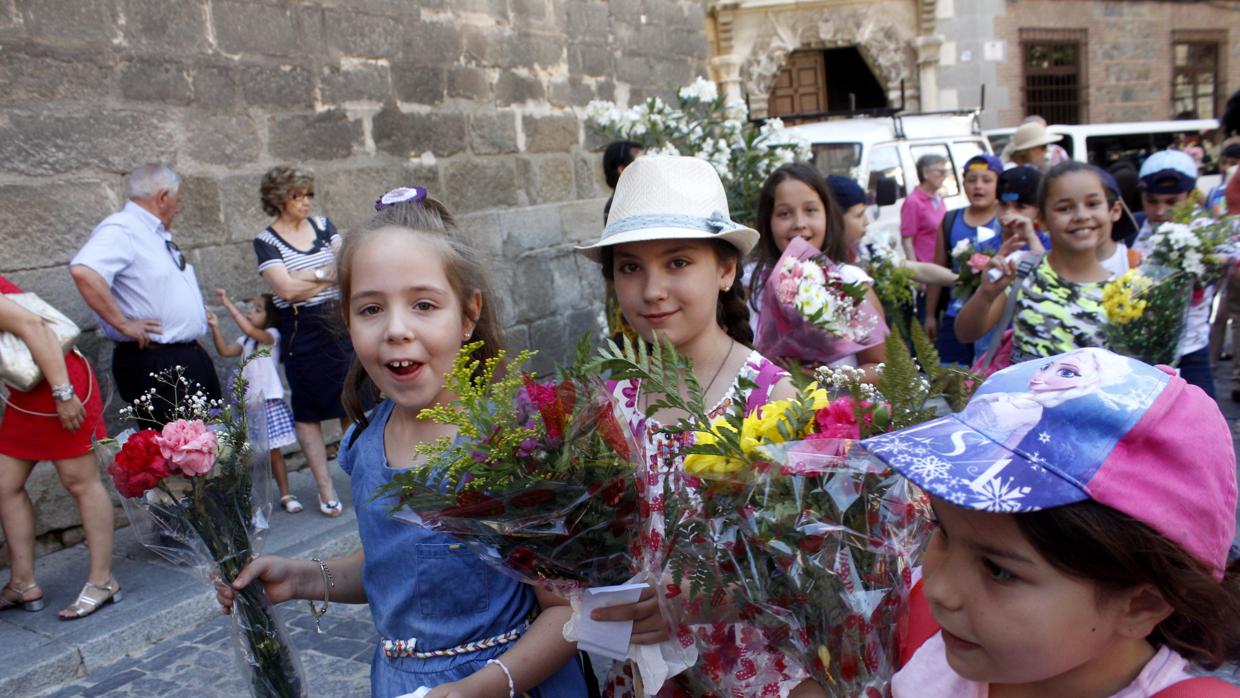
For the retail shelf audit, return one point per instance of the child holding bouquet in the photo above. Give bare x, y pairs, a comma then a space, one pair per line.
1059, 307
673, 256
1092, 559
412, 296
796, 203
978, 224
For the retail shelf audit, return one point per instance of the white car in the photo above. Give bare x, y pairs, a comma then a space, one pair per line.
1105, 144
869, 149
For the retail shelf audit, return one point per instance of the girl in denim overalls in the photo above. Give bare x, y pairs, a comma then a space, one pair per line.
412, 295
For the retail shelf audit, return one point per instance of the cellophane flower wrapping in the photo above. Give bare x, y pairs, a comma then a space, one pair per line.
198, 492
1146, 313
809, 313
539, 481
812, 540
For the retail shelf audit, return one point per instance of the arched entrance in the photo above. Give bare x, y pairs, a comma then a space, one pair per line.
824, 80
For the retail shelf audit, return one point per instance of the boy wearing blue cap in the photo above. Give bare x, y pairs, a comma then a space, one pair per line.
1168, 177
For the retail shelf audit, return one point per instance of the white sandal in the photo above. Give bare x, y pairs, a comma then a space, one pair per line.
290, 503
331, 509
86, 604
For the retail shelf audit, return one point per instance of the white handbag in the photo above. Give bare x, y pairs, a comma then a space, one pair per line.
17, 366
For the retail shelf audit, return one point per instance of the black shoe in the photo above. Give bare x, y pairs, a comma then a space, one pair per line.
1235, 395
1224, 357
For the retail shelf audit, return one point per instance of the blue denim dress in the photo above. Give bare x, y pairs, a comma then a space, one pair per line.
425, 585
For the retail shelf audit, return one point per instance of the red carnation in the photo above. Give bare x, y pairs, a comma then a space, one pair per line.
139, 466
554, 403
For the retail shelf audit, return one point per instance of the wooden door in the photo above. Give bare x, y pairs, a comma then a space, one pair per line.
801, 87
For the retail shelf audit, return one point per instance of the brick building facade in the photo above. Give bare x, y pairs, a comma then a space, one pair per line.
1074, 60
478, 100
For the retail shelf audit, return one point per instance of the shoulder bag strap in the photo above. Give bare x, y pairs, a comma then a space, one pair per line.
1023, 270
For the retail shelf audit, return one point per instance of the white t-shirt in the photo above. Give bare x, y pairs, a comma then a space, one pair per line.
1117, 263
928, 675
263, 373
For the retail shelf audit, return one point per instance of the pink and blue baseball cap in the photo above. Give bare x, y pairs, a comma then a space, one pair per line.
1168, 172
1087, 424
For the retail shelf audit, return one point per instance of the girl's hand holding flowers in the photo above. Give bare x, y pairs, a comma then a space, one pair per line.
649, 625
994, 285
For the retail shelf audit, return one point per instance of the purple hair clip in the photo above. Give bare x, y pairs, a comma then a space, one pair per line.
402, 195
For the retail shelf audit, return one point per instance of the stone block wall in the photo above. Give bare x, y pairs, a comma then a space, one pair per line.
1128, 57
478, 100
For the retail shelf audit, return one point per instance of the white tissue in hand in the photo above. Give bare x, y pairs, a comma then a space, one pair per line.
607, 638
655, 663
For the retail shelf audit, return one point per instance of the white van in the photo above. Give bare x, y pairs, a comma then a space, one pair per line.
1105, 144
869, 149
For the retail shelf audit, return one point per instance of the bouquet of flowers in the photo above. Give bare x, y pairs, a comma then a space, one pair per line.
706, 125
810, 538
810, 313
893, 282
1193, 242
1146, 310
539, 480
198, 491
970, 263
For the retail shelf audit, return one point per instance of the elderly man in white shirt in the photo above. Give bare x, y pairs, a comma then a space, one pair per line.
144, 292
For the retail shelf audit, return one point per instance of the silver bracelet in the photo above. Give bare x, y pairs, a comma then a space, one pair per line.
63, 392
328, 585
512, 690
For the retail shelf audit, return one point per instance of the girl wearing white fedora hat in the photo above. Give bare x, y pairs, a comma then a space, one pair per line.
672, 254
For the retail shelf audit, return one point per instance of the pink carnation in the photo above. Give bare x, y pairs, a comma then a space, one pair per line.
787, 290
189, 446
978, 263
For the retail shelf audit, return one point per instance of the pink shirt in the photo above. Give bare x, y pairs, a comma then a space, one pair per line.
919, 219
928, 675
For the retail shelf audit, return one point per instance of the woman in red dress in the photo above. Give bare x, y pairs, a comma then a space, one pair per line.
39, 426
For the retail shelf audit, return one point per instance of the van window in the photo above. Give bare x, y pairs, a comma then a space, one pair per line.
1105, 151
885, 162
838, 158
951, 183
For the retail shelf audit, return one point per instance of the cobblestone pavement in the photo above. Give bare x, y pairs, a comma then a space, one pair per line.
200, 663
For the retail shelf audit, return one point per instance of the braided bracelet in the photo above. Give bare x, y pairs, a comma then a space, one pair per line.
328, 585
512, 690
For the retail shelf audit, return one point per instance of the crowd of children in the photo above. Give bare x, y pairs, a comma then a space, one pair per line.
1084, 531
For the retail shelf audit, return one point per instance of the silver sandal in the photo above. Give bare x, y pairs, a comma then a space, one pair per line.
86, 605
31, 605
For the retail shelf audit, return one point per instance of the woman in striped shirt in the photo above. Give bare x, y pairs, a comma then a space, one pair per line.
297, 259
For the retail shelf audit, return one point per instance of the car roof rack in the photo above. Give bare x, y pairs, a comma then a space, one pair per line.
896, 114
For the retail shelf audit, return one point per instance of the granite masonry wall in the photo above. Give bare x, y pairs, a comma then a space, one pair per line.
478, 100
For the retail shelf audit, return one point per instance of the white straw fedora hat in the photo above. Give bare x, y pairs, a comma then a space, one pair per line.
1032, 135
662, 197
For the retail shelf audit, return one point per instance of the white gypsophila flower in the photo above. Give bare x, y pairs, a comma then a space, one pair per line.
961, 247
701, 89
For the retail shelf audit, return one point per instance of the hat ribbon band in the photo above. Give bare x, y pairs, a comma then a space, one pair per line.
716, 223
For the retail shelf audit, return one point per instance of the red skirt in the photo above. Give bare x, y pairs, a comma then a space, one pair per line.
37, 437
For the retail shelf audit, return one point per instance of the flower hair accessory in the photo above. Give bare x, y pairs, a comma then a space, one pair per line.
400, 195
